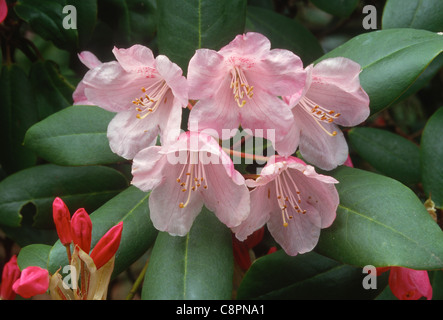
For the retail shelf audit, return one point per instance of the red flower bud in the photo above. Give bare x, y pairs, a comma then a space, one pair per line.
3, 10
81, 230
62, 220
11, 273
33, 281
107, 246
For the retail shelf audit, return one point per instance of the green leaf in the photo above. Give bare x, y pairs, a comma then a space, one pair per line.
387, 152
17, 114
184, 26
305, 276
34, 255
284, 33
196, 266
46, 19
416, 14
380, 222
391, 60
130, 206
74, 136
87, 187
52, 91
431, 158
339, 8
86, 19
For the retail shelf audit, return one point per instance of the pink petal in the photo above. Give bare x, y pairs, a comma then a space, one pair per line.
128, 135
280, 73
336, 86
219, 113
137, 58
174, 78
165, 213
89, 59
268, 117
79, 96
10, 274
147, 168
316, 146
112, 88
228, 200
251, 44
206, 72
259, 213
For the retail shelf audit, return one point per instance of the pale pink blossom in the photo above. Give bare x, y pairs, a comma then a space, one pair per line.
147, 94
90, 61
408, 284
332, 96
293, 201
186, 175
241, 85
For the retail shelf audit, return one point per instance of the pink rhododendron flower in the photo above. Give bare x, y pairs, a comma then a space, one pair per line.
408, 284
3, 10
185, 175
241, 85
33, 281
332, 96
147, 94
294, 201
10, 274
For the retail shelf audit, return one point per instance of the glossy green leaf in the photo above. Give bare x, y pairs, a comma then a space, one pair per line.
392, 60
34, 255
339, 8
87, 187
389, 153
198, 266
46, 19
184, 26
284, 33
380, 222
52, 91
431, 158
131, 207
17, 114
74, 136
416, 14
306, 276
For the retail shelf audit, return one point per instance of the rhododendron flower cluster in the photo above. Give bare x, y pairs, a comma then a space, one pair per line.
246, 85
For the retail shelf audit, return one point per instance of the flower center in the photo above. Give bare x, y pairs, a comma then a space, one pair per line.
192, 176
288, 196
240, 87
153, 96
319, 114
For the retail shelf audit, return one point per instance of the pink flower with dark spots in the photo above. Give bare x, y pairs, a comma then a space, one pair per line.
186, 175
147, 94
241, 85
332, 97
293, 201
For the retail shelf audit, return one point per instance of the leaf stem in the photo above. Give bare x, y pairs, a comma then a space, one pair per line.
138, 281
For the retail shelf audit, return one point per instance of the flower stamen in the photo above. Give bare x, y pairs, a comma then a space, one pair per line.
288, 196
195, 174
240, 87
152, 98
320, 114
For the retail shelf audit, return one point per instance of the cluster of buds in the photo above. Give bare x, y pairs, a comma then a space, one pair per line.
90, 272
